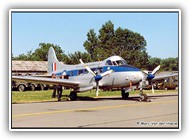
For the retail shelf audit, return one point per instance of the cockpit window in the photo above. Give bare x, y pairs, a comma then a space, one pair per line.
108, 62
119, 62
116, 62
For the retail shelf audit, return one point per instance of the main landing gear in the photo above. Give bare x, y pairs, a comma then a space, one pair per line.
73, 95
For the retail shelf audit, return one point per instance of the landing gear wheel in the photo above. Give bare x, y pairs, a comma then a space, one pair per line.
32, 87
73, 96
21, 88
124, 94
42, 87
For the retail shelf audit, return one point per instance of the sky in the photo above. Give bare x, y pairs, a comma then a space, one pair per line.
69, 30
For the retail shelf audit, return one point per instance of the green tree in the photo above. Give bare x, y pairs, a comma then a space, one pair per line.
40, 54
153, 63
131, 46
170, 64
24, 57
106, 43
73, 58
91, 44
123, 42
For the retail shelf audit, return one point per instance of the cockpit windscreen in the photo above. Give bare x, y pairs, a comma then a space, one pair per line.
116, 62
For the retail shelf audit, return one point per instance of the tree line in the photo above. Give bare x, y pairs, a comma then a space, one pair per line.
123, 42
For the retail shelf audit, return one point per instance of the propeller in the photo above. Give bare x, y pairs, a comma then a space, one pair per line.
150, 76
97, 76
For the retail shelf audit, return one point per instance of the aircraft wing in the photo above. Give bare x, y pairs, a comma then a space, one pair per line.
47, 75
52, 81
163, 77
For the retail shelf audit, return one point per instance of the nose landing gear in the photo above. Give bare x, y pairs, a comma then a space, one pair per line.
73, 96
143, 97
124, 94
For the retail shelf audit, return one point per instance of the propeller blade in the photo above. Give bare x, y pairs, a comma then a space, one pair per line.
145, 71
152, 89
141, 83
106, 73
88, 69
97, 88
81, 61
155, 70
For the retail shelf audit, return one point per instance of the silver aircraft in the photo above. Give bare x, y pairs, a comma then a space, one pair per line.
112, 72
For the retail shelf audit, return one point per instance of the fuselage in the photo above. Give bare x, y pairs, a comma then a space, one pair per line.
122, 76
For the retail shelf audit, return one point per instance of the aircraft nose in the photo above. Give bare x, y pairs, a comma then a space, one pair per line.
140, 76
136, 77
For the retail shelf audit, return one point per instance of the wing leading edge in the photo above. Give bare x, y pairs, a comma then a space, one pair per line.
40, 80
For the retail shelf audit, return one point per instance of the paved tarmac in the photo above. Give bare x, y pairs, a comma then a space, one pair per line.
104, 112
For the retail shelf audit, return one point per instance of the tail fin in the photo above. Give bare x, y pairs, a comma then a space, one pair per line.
53, 63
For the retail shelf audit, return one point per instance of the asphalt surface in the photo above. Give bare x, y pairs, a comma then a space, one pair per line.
104, 112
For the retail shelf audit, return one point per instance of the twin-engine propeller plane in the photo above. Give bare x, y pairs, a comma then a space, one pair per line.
113, 72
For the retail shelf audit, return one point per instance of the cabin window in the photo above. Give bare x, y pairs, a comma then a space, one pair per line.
100, 70
94, 70
85, 71
71, 73
80, 72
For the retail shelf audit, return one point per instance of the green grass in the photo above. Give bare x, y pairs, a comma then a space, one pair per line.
31, 96
42, 96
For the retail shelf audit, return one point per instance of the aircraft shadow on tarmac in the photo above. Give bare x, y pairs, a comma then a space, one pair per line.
134, 98
87, 98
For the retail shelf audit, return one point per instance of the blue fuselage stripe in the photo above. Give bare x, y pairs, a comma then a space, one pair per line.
120, 68
123, 68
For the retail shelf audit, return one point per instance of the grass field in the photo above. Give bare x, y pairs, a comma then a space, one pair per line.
42, 96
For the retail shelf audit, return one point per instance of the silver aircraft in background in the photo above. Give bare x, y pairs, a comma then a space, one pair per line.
112, 72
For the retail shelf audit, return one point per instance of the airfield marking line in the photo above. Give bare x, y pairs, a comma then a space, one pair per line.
95, 108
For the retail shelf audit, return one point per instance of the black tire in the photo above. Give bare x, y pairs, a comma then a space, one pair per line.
73, 96
21, 88
32, 87
124, 94
42, 87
